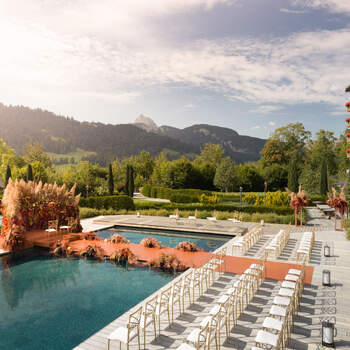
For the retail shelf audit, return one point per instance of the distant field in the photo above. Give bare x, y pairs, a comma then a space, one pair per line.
77, 155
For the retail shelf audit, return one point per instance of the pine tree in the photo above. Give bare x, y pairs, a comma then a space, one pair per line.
29, 173
110, 180
8, 175
131, 182
127, 179
293, 176
324, 178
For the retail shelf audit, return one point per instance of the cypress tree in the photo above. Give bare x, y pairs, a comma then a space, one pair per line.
131, 182
8, 175
324, 178
293, 176
110, 180
127, 179
29, 173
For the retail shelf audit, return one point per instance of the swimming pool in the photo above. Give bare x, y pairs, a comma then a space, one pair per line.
55, 304
169, 239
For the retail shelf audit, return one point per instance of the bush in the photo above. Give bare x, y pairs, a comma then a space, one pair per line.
167, 193
183, 198
107, 202
213, 200
277, 198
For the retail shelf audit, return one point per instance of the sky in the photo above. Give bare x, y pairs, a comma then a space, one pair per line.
249, 65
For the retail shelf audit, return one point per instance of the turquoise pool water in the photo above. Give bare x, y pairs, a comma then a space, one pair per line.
169, 239
55, 304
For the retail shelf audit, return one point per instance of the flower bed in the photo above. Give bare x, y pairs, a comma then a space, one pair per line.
168, 263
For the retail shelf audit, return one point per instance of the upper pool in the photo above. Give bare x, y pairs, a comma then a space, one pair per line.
170, 239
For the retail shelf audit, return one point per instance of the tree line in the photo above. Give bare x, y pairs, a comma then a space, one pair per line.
290, 157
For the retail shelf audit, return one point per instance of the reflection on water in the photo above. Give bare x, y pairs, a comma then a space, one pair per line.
16, 282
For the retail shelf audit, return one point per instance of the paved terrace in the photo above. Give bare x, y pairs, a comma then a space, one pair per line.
318, 303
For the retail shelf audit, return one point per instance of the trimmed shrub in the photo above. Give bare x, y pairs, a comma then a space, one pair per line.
113, 202
183, 198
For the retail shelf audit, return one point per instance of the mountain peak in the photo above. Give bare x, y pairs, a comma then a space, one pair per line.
146, 123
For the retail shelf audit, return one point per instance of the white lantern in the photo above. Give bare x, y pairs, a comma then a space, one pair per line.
326, 278
328, 334
327, 250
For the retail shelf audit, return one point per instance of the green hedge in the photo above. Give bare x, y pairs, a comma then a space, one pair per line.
220, 207
175, 196
113, 202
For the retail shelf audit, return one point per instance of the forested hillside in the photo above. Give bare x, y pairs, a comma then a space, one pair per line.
21, 125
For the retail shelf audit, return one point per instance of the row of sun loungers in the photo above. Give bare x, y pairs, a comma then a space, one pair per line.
277, 244
276, 328
227, 309
166, 301
243, 243
305, 246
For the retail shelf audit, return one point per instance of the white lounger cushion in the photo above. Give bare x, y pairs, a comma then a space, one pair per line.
294, 272
288, 284
292, 278
278, 311
185, 346
205, 321
50, 230
193, 336
277, 300
192, 218
121, 334
266, 338
286, 292
272, 323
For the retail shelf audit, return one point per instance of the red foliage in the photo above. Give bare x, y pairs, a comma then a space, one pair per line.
92, 251
338, 204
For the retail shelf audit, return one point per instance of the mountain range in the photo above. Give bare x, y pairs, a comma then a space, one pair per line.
104, 142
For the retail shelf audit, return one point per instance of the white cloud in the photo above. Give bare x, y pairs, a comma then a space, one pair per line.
82, 56
335, 6
292, 11
272, 123
266, 109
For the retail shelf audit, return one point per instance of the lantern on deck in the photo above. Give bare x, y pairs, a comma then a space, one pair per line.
328, 334
327, 250
347, 153
326, 278
347, 105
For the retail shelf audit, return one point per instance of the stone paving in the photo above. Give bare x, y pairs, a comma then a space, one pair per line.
318, 302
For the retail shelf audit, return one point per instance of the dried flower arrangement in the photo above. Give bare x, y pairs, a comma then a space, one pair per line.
150, 242
338, 201
168, 263
187, 247
297, 202
28, 206
123, 255
92, 251
118, 239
